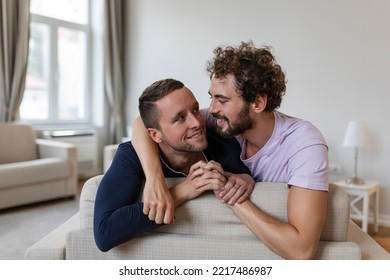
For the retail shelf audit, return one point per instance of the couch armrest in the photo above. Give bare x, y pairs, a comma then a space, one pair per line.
50, 148
67, 151
52, 246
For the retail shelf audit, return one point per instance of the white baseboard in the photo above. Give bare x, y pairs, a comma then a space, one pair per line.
384, 220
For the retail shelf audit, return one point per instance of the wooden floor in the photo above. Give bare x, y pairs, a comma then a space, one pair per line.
383, 237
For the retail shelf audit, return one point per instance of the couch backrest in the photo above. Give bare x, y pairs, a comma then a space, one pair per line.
17, 143
206, 215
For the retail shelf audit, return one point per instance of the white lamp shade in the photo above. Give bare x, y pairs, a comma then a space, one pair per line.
356, 135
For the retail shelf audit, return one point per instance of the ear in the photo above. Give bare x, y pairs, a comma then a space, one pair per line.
155, 134
260, 103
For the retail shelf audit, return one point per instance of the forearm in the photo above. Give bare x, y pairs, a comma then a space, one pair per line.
147, 151
281, 237
120, 226
157, 199
178, 194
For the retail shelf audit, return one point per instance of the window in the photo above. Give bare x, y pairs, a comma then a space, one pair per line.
57, 85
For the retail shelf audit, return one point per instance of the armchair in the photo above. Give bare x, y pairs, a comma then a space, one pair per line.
33, 170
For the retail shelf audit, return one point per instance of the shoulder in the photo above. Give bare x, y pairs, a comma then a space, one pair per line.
126, 150
298, 129
126, 157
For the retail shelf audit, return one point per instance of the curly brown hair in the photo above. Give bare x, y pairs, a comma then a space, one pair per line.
255, 70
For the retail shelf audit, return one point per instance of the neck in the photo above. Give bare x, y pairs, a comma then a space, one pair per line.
181, 161
260, 133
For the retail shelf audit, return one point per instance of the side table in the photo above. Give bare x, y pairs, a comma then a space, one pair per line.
362, 193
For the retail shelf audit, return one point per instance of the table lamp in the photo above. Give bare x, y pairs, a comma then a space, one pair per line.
356, 137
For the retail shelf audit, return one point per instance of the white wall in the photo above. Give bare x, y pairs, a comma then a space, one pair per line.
336, 55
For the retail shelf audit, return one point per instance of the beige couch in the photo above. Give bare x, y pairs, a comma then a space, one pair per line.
33, 170
207, 229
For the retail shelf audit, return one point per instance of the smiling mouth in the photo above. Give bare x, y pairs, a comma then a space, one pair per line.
197, 134
221, 122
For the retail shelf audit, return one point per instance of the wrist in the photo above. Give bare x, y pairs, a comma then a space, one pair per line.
155, 181
178, 194
154, 174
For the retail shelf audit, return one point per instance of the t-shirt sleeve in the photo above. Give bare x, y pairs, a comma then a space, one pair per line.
308, 168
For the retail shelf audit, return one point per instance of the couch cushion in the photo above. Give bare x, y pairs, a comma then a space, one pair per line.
33, 171
17, 143
80, 244
52, 246
194, 216
87, 201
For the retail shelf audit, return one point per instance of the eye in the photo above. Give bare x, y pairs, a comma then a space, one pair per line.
196, 111
221, 100
180, 118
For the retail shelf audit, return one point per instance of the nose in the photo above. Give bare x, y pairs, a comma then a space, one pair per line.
212, 107
193, 120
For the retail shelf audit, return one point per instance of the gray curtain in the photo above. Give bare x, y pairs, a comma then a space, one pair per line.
14, 37
114, 60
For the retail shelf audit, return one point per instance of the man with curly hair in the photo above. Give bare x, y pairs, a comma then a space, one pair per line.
247, 87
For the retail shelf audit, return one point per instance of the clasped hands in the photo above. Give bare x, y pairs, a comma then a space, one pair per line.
159, 201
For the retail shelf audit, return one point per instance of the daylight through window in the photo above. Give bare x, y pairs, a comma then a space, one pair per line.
57, 72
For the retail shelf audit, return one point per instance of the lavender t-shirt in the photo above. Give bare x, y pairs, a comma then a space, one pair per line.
296, 154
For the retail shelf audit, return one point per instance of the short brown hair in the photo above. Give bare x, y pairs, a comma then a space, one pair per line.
150, 114
255, 71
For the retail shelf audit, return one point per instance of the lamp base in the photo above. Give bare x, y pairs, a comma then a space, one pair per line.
355, 181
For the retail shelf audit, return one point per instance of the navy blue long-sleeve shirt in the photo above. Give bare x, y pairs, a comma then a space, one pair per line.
118, 213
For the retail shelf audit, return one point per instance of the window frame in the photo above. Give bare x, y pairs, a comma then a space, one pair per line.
54, 24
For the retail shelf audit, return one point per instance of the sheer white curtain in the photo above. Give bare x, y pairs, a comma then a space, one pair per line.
14, 37
114, 61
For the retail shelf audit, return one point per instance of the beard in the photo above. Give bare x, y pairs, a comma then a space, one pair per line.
244, 123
